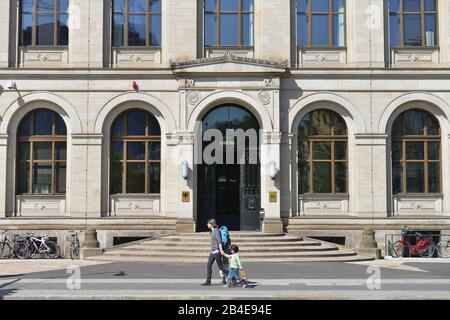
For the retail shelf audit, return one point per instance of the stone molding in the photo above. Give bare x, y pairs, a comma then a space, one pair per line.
272, 137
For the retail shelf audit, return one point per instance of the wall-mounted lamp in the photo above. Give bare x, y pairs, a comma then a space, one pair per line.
11, 85
184, 170
273, 170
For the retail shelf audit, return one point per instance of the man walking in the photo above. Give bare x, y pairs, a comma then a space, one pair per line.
216, 252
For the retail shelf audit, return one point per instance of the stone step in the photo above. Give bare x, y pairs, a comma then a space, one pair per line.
176, 250
242, 240
240, 244
233, 234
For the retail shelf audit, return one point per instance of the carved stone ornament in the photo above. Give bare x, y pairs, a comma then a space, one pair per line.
193, 97
186, 83
264, 97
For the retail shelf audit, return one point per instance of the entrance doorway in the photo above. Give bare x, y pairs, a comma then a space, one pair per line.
230, 192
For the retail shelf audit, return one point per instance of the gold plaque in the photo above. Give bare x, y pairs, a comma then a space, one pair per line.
272, 196
185, 196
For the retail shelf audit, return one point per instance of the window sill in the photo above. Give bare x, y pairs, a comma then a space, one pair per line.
322, 57
415, 56
43, 56
134, 204
418, 203
136, 57
323, 203
40, 205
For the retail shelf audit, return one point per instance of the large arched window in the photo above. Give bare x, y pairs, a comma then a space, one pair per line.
416, 153
41, 153
135, 153
322, 153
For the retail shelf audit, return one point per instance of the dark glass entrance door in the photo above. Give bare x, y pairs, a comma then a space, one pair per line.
227, 195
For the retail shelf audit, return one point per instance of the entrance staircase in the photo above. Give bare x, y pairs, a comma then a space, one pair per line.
254, 247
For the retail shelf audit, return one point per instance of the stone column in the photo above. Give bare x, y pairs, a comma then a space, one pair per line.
3, 171
84, 193
370, 179
4, 33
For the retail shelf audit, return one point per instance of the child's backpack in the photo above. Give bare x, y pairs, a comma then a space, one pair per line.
225, 236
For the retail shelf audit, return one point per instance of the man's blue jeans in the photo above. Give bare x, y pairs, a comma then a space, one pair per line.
234, 273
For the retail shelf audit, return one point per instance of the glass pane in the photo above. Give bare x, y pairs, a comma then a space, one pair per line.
322, 150
23, 176
394, 5
320, 5
137, 5
60, 178
45, 28
229, 29
137, 24
117, 151
338, 30
154, 174
155, 6
303, 177
433, 150
341, 177
61, 150
136, 123
415, 178
210, 29
247, 5
340, 150
320, 30
397, 151
303, 151
397, 174
25, 126
45, 5
304, 127
414, 150
247, 29
301, 5
412, 30
63, 29
154, 128
43, 121
321, 123
63, 6
394, 25
118, 30
118, 129
210, 5
338, 6
27, 6
155, 30
434, 177
322, 178
136, 178
42, 178
60, 126
302, 30
119, 6
413, 122
229, 5
27, 29
430, 30
116, 178
340, 128
430, 5
24, 151
42, 150
411, 5
154, 151
136, 151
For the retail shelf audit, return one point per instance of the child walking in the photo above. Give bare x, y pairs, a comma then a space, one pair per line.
234, 266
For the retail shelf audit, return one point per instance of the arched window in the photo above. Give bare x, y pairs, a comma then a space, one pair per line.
44, 23
41, 153
322, 153
135, 153
228, 23
416, 153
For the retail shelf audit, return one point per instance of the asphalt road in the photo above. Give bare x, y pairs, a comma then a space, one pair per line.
307, 280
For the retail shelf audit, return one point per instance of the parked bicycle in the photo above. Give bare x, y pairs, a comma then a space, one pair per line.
74, 245
443, 249
424, 246
7, 247
39, 245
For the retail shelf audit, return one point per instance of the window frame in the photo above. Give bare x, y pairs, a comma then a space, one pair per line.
425, 139
332, 139
126, 14
124, 140
31, 139
401, 13
309, 33
56, 25
217, 12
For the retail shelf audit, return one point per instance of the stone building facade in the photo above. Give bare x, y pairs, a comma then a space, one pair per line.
363, 79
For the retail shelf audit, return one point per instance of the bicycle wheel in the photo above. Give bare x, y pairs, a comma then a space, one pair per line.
6, 251
74, 252
53, 251
427, 251
397, 249
443, 250
22, 250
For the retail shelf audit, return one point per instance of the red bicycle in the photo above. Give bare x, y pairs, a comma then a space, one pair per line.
424, 246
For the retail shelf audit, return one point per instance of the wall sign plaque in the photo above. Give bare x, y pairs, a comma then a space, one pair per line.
272, 196
185, 196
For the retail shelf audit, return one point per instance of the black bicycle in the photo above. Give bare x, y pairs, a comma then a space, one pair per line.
10, 249
74, 245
